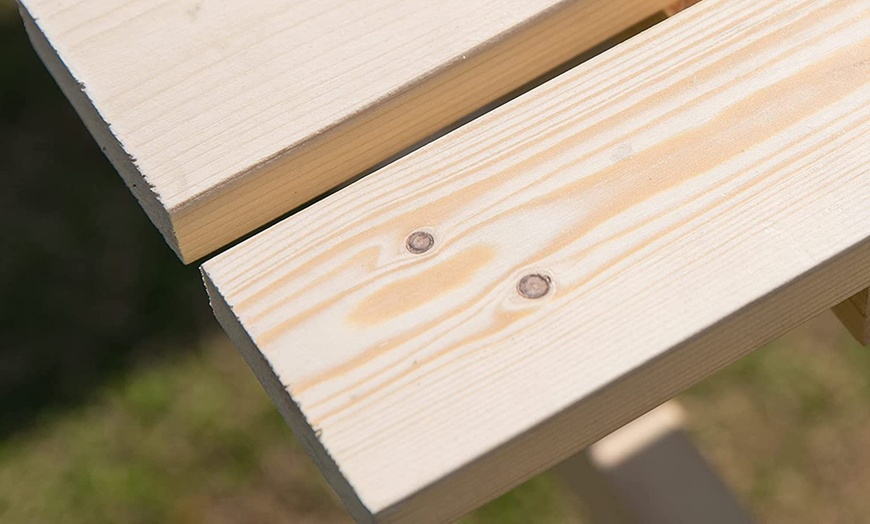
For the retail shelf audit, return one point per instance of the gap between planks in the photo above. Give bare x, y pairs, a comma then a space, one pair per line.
222, 116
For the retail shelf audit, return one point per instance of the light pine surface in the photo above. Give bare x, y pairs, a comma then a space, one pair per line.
692, 194
855, 315
223, 115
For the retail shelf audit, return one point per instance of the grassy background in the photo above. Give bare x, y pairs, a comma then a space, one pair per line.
122, 401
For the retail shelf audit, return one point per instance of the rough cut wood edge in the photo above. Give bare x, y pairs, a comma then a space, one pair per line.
854, 313
98, 127
201, 223
723, 214
288, 409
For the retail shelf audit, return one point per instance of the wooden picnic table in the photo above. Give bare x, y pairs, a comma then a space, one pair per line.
538, 253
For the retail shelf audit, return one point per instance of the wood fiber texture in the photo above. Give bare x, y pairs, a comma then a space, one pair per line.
689, 195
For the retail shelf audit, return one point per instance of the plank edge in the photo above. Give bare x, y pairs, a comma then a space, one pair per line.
75, 91
291, 413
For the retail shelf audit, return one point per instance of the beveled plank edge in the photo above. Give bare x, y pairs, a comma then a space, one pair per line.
286, 406
854, 313
76, 93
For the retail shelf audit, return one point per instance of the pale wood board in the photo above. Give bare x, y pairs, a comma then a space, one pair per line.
854, 313
222, 116
692, 194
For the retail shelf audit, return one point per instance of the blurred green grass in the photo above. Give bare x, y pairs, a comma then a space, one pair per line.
123, 402
789, 426
190, 438
193, 438
85, 278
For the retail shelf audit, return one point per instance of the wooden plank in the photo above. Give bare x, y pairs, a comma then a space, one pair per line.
854, 313
650, 472
679, 5
685, 197
221, 116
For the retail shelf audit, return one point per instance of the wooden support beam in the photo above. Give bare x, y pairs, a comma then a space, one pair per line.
649, 472
222, 116
854, 313
496, 301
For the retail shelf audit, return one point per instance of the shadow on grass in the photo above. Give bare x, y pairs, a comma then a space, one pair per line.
88, 287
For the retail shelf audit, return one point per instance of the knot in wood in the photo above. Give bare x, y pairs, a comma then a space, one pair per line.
534, 286
419, 242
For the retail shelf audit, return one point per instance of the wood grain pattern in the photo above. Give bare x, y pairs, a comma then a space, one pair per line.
854, 313
690, 194
223, 115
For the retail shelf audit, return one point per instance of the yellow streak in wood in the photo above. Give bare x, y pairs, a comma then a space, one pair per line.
410, 293
655, 170
634, 180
